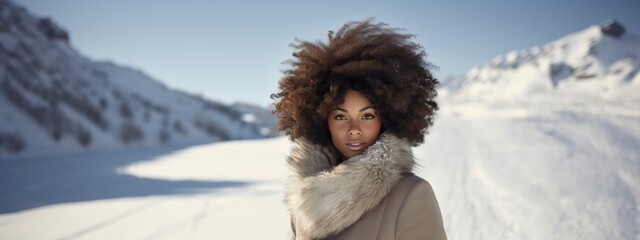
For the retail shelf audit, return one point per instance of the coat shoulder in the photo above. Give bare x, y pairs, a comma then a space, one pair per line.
419, 215
409, 187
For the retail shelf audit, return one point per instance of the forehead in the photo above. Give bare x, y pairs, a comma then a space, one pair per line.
355, 99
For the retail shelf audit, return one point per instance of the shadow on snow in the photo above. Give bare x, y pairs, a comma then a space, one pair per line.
32, 183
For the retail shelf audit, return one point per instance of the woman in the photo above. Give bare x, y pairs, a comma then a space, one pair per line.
353, 107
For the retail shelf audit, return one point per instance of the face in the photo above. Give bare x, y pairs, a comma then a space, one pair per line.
354, 125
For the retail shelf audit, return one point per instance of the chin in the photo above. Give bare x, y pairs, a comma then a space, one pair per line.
352, 154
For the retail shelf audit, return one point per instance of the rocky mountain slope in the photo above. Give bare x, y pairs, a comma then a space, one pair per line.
53, 99
600, 62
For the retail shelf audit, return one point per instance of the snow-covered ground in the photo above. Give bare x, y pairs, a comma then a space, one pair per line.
228, 190
500, 171
540, 171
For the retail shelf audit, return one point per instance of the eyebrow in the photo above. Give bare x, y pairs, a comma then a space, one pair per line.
362, 109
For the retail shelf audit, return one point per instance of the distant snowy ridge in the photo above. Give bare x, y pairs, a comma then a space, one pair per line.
599, 62
52, 99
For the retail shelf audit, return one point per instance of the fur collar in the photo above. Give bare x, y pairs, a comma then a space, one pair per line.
326, 199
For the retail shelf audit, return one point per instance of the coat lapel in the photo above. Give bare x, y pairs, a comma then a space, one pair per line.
325, 199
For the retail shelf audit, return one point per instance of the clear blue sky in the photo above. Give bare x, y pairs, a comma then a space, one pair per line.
232, 50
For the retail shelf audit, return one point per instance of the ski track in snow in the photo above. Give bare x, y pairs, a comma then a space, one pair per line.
107, 222
549, 175
498, 173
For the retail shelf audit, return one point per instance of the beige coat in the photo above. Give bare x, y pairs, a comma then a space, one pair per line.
370, 196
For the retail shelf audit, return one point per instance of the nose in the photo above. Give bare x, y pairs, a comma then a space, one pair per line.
354, 130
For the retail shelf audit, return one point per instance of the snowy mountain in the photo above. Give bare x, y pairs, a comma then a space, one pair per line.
600, 62
54, 100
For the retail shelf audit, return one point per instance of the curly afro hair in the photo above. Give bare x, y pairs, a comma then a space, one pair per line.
379, 62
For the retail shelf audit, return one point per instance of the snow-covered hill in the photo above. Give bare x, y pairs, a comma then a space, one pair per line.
597, 63
54, 100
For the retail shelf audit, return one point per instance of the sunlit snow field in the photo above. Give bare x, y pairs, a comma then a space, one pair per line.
517, 171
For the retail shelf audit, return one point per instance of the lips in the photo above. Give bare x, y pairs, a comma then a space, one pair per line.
355, 146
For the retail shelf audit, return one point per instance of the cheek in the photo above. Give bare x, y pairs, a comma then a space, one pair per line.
373, 129
335, 128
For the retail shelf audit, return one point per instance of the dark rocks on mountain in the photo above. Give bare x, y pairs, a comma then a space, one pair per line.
11, 142
558, 72
52, 31
130, 133
612, 28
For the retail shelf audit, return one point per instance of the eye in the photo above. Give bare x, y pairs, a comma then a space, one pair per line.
340, 117
368, 116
